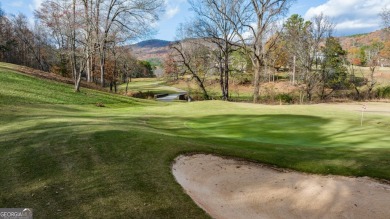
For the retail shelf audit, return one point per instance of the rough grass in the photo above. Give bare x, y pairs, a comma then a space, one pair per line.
67, 158
24, 89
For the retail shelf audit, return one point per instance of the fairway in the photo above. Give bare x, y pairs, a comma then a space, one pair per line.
65, 157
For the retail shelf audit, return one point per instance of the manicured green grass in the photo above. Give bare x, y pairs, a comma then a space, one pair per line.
67, 158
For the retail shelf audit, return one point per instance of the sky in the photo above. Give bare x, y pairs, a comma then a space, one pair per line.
350, 16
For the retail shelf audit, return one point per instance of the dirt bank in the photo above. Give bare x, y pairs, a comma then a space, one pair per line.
228, 188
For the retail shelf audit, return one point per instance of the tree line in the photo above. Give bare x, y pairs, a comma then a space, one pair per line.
231, 38
81, 38
86, 40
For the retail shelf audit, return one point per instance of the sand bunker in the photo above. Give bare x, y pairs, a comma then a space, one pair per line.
227, 188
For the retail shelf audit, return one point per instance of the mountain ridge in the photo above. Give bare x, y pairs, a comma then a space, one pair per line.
153, 43
157, 48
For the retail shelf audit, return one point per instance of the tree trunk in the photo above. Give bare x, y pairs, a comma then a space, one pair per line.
76, 76
221, 77
77, 84
357, 93
293, 78
102, 62
127, 85
256, 82
226, 72
200, 83
88, 69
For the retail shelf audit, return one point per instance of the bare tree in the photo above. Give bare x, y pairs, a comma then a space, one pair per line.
385, 16
256, 24
131, 17
77, 61
89, 8
30, 39
373, 60
52, 16
83, 28
192, 57
6, 37
212, 25
61, 17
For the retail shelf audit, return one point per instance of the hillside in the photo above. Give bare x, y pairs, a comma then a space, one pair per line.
360, 40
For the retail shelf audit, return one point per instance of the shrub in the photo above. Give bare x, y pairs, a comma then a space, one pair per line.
383, 92
285, 98
99, 104
142, 95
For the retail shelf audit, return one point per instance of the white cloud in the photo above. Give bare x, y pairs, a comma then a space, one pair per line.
16, 4
351, 14
174, 2
35, 4
173, 7
171, 11
357, 24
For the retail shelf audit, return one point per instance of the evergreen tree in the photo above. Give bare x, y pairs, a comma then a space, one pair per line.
333, 72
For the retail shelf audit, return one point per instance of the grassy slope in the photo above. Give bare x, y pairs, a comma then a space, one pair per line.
65, 157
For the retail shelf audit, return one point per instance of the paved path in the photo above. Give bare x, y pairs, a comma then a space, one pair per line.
170, 97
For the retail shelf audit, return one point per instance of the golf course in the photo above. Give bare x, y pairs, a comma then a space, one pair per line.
93, 154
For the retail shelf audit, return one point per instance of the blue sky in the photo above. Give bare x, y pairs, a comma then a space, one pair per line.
350, 16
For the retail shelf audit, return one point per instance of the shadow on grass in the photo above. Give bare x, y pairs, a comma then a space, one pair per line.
71, 169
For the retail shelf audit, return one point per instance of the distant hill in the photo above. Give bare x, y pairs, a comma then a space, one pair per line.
151, 49
360, 40
154, 43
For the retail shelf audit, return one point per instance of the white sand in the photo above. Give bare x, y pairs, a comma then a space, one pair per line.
227, 188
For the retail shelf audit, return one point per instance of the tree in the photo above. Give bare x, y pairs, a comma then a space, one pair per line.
146, 69
61, 17
240, 66
77, 60
170, 67
255, 24
192, 58
132, 18
333, 73
362, 56
385, 16
353, 56
8, 41
385, 52
52, 15
211, 24
126, 65
84, 28
373, 60
279, 55
304, 39
298, 41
